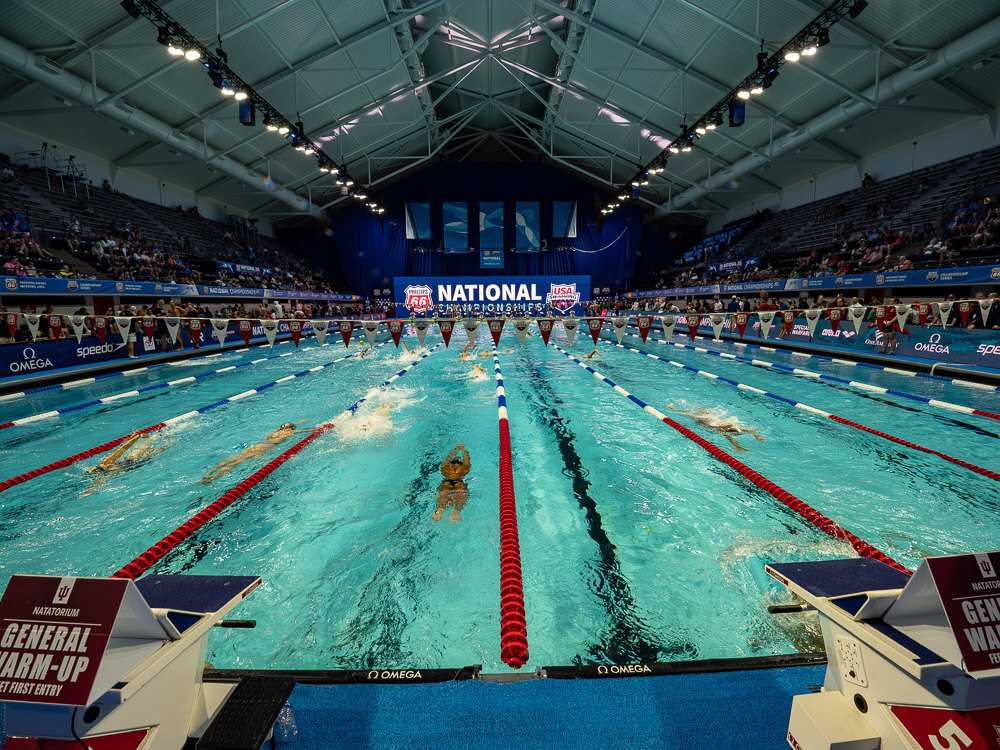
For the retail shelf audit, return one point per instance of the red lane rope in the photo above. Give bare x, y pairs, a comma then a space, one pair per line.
989, 414
908, 444
513, 627
62, 463
809, 513
162, 548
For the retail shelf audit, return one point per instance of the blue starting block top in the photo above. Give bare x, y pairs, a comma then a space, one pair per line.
204, 594
827, 578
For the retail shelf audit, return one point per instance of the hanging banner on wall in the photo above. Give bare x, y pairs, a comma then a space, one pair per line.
494, 294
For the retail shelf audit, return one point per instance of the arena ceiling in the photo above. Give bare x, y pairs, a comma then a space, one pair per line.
596, 87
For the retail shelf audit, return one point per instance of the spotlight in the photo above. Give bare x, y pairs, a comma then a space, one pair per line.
674, 150
823, 37
622, 196
239, 95
192, 54
283, 130
743, 94
809, 50
757, 89
360, 196
792, 56
381, 210
269, 124
636, 183
700, 130
323, 168
686, 147
309, 150
174, 50
226, 89
349, 182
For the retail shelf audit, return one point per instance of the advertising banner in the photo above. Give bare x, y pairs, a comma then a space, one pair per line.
492, 294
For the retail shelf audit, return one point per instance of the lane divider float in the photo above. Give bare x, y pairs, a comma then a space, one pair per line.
812, 515
805, 407
513, 628
63, 463
162, 548
844, 381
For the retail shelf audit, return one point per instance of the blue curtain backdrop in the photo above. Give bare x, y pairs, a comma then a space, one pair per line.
373, 249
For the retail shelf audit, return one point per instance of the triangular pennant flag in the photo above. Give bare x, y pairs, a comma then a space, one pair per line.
55, 327
570, 325
766, 317
619, 326
295, 329
964, 308
173, 327
11, 319
496, 328
645, 323
446, 327
149, 327
788, 320
595, 324
812, 318
371, 331
421, 327
78, 325
521, 329
693, 321
880, 312
857, 315
836, 315
984, 308
668, 322
923, 310
32, 319
270, 329
396, 331
718, 320
319, 328
944, 310
471, 327
741, 319
101, 327
545, 328
902, 310
245, 327
194, 328
124, 327
346, 327
220, 326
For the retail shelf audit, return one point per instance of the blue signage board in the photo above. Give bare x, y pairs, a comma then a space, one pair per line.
35, 285
491, 258
491, 294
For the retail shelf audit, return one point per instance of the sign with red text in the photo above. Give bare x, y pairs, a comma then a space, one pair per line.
969, 587
53, 634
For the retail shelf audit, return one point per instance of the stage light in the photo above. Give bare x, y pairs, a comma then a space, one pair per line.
792, 56
360, 196
635, 183
757, 89
239, 95
743, 94
674, 150
381, 210
269, 124
809, 50
309, 150
686, 147
349, 182
226, 89
700, 130
192, 54
323, 168
174, 50
283, 130
823, 37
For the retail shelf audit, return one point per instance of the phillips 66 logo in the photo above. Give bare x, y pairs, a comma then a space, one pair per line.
418, 298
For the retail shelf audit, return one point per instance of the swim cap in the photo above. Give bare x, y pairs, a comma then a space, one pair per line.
287, 426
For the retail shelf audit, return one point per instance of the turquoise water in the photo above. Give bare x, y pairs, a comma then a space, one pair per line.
636, 543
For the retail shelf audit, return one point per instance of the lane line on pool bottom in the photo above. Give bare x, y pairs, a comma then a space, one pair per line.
836, 360
809, 513
144, 389
805, 407
70, 460
513, 628
162, 548
121, 373
832, 378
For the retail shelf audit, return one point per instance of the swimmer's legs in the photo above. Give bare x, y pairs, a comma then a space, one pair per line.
736, 445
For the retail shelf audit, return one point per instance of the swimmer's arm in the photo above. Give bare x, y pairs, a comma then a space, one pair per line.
109, 460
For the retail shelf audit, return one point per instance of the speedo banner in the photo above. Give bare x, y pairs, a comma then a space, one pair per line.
504, 295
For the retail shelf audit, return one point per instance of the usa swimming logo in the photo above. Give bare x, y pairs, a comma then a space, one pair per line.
418, 298
562, 296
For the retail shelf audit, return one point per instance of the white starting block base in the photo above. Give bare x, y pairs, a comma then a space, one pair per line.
827, 720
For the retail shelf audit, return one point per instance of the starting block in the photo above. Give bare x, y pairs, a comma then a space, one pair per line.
113, 664
912, 663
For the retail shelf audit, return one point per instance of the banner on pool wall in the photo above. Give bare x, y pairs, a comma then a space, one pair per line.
492, 294
28, 359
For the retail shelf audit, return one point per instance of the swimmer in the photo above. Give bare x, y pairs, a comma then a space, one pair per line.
382, 411
278, 436
465, 352
589, 356
405, 346
111, 464
706, 419
453, 491
485, 353
476, 372
363, 353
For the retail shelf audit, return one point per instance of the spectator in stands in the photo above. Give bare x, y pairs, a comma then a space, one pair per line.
8, 176
867, 181
993, 316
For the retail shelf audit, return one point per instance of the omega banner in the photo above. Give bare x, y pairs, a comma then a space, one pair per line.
491, 294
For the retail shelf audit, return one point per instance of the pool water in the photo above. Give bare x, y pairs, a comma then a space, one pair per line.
636, 544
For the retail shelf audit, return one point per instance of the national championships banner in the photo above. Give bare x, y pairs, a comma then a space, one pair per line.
491, 294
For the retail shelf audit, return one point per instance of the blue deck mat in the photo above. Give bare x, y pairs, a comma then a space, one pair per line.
746, 710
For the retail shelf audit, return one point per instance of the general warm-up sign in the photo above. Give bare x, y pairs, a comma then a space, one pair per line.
491, 294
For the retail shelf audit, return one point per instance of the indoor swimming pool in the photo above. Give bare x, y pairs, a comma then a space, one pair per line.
636, 544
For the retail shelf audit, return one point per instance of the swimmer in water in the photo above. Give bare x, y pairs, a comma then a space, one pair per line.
405, 346
382, 411
363, 353
589, 356
111, 465
278, 436
453, 491
707, 419
465, 352
477, 371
